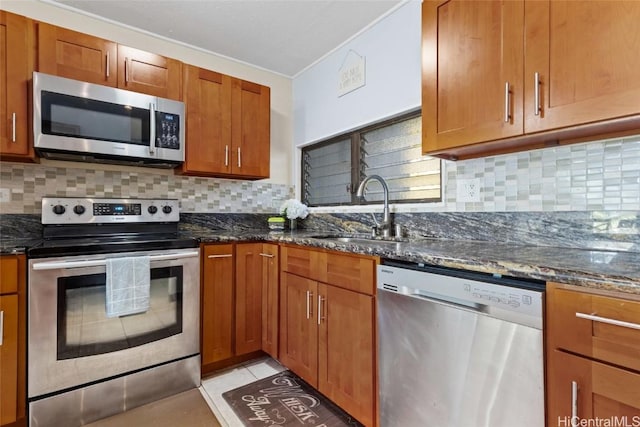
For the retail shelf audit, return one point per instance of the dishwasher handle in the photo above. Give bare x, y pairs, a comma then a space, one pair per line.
451, 302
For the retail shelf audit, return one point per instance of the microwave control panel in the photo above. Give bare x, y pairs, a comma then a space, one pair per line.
167, 130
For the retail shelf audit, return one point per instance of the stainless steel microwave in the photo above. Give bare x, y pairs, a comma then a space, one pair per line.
80, 121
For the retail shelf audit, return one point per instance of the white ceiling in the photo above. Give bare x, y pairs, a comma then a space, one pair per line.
284, 36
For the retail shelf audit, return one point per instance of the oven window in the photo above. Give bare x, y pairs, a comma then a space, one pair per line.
84, 328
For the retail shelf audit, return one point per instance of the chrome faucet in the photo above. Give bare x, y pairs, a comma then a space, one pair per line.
385, 225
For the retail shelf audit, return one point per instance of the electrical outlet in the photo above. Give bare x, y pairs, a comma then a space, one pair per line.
468, 190
5, 195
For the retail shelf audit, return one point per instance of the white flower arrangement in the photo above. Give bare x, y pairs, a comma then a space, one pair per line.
293, 209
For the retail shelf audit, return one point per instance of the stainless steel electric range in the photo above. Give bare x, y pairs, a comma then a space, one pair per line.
84, 362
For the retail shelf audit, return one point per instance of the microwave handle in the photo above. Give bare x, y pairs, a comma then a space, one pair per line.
152, 131
55, 265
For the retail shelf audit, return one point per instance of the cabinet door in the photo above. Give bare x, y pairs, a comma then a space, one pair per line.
298, 327
75, 55
270, 296
346, 350
217, 303
248, 302
250, 129
208, 107
149, 73
15, 72
583, 53
603, 391
8, 358
471, 52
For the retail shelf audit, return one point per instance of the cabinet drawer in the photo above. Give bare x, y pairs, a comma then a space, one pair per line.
351, 272
600, 327
304, 262
9, 274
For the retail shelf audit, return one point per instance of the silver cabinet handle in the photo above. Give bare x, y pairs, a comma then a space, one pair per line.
266, 255
507, 103
1, 327
574, 401
536, 94
220, 256
226, 155
320, 316
152, 125
54, 265
13, 127
126, 70
239, 158
107, 65
309, 296
608, 321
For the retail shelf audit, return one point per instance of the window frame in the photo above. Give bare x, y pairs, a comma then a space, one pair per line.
355, 137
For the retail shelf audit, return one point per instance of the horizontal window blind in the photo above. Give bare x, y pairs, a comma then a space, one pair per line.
333, 169
326, 170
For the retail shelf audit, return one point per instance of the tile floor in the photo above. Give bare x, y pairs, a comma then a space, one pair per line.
213, 386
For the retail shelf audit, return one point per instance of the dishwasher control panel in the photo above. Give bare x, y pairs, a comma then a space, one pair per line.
497, 300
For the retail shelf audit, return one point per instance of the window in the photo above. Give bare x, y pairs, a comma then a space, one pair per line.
333, 169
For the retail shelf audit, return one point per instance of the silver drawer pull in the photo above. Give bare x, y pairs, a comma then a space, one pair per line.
608, 321
267, 255
1, 327
220, 256
309, 296
55, 265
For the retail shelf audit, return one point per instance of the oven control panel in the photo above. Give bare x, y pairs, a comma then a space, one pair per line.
74, 210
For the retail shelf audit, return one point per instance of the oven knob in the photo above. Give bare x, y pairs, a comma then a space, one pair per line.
167, 209
58, 209
78, 209
152, 209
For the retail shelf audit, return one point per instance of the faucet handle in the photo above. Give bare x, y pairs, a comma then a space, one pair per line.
399, 230
374, 231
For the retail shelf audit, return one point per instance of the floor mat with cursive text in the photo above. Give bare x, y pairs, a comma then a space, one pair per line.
285, 400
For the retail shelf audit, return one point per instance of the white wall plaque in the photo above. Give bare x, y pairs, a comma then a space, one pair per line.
351, 74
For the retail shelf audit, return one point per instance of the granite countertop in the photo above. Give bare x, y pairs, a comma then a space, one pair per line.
600, 269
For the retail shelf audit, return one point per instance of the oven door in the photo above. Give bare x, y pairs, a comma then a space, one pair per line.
71, 340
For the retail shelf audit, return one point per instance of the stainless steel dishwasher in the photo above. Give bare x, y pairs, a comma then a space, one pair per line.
458, 349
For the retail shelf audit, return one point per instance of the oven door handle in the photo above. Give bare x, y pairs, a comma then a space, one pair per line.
55, 265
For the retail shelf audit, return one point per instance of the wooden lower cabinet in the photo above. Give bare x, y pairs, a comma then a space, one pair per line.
602, 390
217, 303
9, 358
240, 302
327, 338
13, 336
592, 356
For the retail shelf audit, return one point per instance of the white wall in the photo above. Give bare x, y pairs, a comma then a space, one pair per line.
281, 98
392, 56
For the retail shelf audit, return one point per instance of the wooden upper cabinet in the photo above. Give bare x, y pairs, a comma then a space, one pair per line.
77, 56
208, 108
228, 126
16, 65
505, 76
145, 72
250, 129
472, 72
584, 54
83, 57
